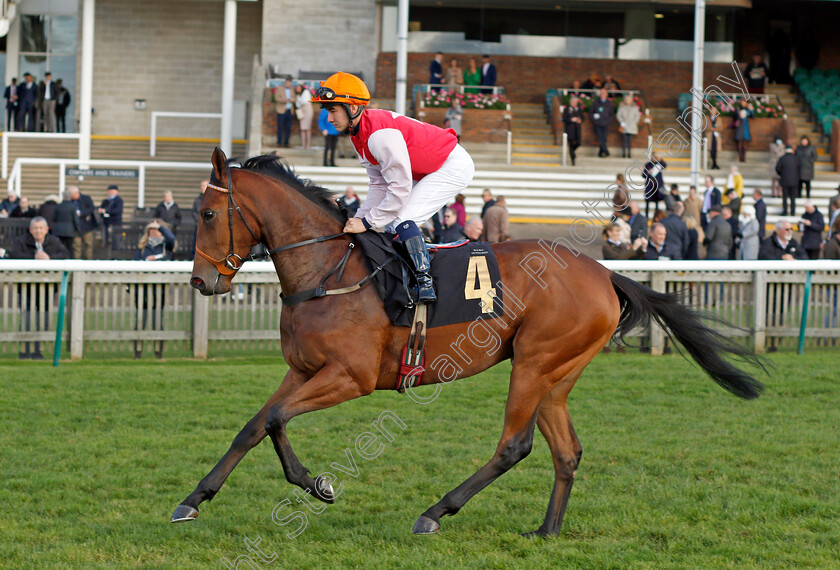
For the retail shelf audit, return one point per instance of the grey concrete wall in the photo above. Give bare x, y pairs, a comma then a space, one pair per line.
170, 54
321, 35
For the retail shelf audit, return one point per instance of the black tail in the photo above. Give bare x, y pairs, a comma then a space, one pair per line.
706, 346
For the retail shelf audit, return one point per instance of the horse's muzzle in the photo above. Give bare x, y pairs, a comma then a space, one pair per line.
198, 283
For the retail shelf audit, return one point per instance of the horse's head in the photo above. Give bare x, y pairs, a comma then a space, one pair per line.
225, 231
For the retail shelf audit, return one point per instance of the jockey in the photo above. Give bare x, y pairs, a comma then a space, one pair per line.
414, 168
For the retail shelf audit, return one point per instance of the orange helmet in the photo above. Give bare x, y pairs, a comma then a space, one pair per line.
342, 88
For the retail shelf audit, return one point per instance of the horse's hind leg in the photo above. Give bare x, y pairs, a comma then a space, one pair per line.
250, 435
556, 426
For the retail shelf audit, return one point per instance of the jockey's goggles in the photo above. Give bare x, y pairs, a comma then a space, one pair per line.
326, 95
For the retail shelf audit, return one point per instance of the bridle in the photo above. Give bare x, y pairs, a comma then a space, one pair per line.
232, 262
229, 264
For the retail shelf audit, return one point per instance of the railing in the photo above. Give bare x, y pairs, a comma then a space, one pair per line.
28, 135
156, 114
687, 99
115, 304
62, 163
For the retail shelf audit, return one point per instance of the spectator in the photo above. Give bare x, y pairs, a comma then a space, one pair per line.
719, 238
453, 117
672, 197
61, 104
24, 210
781, 245
638, 222
654, 183
603, 113
832, 246
9, 205
11, 97
472, 76
28, 98
37, 244
283, 98
156, 244
727, 214
47, 210
806, 156
628, 118
714, 141
303, 112
711, 198
168, 212
66, 225
47, 96
788, 169
111, 210
742, 129
196, 207
659, 215
760, 212
350, 201
454, 75
474, 228
611, 84
693, 204
436, 70
594, 81
330, 137
573, 117
624, 227
575, 90
615, 248
621, 197
657, 247
488, 71
695, 238
834, 208
677, 232
451, 230
777, 150
735, 181
811, 225
733, 202
756, 74
83, 242
487, 196
750, 241
460, 209
496, 222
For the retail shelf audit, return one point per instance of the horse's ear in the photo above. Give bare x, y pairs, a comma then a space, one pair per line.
219, 162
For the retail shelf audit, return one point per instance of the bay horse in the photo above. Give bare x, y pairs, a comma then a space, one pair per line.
343, 346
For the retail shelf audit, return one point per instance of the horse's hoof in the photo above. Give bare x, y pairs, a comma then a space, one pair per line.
425, 525
184, 513
324, 491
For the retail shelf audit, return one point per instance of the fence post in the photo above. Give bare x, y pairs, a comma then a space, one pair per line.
564, 151
759, 310
77, 316
201, 324
657, 335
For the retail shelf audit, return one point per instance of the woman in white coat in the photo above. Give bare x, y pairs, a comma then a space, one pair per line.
749, 234
628, 119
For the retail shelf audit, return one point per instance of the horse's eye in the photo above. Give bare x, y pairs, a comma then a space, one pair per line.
208, 215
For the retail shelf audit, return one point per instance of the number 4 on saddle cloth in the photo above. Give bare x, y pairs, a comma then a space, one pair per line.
465, 274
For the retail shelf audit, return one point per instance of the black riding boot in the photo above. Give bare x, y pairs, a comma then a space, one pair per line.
416, 248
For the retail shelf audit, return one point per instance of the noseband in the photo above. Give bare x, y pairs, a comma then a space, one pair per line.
233, 262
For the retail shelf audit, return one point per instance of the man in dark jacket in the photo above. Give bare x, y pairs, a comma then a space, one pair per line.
812, 225
603, 114
24, 210
781, 244
66, 221
83, 244
727, 214
760, 211
111, 210
806, 156
658, 247
711, 198
677, 232
637, 221
168, 211
719, 238
37, 244
788, 170
28, 98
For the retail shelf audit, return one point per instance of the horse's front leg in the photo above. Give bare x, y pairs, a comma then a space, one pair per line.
332, 385
250, 435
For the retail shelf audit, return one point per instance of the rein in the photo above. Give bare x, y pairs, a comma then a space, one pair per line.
228, 265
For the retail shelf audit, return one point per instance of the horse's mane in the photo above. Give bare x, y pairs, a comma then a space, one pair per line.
275, 167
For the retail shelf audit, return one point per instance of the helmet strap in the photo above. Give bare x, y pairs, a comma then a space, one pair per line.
353, 130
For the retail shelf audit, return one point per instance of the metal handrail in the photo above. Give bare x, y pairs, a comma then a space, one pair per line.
428, 87
28, 135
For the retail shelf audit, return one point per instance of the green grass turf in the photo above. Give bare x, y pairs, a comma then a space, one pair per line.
676, 473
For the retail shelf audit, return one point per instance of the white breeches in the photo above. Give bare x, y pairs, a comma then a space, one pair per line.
437, 189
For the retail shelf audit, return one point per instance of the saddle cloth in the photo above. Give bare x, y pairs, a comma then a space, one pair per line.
465, 276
